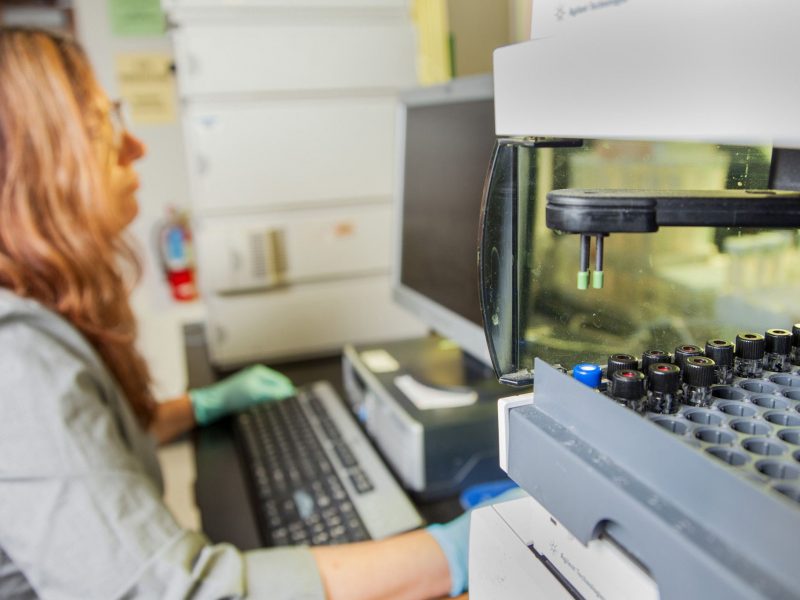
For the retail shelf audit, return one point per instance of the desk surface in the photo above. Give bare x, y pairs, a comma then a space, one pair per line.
220, 488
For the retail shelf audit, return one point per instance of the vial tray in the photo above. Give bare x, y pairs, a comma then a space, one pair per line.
753, 424
706, 499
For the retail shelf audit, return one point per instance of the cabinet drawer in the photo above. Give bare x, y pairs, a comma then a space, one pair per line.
294, 55
310, 319
285, 153
268, 251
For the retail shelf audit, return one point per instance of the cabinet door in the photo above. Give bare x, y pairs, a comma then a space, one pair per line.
244, 255
295, 4
289, 153
282, 54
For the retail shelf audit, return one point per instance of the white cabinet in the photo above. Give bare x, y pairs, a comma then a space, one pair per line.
284, 153
288, 55
289, 119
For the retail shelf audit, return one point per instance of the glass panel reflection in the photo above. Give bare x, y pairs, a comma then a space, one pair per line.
677, 286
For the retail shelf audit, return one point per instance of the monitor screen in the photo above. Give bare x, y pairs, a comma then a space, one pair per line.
446, 134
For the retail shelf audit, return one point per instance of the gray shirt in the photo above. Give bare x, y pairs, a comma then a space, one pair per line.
81, 514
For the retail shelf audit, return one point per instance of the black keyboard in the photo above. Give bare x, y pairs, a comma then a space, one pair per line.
314, 478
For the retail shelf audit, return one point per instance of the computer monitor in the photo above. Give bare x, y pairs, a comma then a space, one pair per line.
445, 135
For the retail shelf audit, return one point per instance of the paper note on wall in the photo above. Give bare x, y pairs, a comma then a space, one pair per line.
136, 17
147, 84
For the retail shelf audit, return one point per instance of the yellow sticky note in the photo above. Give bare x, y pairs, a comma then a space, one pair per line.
147, 84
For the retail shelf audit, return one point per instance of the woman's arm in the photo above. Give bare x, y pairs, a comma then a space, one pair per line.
172, 418
411, 565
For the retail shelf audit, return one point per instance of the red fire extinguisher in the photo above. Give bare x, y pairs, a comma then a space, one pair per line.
177, 257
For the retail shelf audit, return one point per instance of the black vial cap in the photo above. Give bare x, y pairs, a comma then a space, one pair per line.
664, 378
699, 371
684, 351
628, 384
620, 361
750, 346
720, 351
651, 357
778, 341
796, 335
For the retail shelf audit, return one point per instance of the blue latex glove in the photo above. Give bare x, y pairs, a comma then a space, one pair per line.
453, 538
247, 387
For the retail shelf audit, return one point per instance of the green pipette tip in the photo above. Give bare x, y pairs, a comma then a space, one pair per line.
597, 280
583, 280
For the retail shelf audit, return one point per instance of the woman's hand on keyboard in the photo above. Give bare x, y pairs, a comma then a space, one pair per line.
239, 391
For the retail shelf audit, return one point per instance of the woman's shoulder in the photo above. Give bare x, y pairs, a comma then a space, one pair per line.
12, 304
25, 317
15, 309
32, 334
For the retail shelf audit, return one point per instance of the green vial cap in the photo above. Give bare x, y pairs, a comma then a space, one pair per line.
583, 280
597, 280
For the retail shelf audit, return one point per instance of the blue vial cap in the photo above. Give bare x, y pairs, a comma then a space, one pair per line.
588, 374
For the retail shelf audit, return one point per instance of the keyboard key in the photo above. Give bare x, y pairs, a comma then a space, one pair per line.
344, 454
299, 537
334, 521
361, 482
280, 536
304, 503
320, 539
338, 532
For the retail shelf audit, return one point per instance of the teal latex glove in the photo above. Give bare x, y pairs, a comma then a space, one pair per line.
247, 387
453, 538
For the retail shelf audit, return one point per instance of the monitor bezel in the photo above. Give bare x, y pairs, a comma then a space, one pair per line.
469, 336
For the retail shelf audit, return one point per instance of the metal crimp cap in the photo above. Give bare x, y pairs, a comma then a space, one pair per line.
699, 371
720, 351
750, 346
778, 341
628, 384
664, 378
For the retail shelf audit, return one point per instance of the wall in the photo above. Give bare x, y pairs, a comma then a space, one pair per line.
478, 27
164, 182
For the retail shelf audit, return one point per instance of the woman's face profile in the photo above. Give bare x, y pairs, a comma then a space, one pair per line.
121, 150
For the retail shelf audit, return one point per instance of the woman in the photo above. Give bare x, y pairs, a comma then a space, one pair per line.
80, 508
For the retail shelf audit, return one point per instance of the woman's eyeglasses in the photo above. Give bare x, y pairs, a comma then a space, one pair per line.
118, 115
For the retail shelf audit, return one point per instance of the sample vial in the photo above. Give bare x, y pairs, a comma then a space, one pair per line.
616, 362
777, 350
628, 389
699, 372
664, 388
651, 357
796, 344
684, 351
721, 352
588, 374
749, 357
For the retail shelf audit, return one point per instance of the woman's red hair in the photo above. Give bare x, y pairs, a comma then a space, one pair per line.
59, 242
